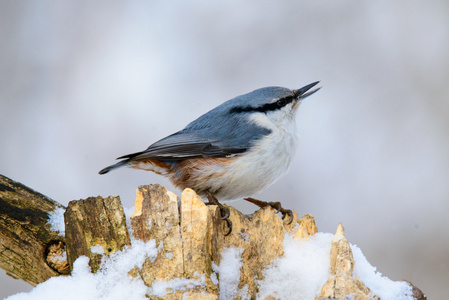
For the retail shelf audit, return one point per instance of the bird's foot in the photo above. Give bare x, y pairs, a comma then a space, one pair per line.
225, 212
276, 205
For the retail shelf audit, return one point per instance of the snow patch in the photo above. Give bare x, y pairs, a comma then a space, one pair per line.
97, 249
229, 274
160, 287
60, 258
56, 220
305, 267
380, 285
301, 272
111, 281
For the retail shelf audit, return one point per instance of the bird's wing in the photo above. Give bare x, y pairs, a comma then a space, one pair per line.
182, 145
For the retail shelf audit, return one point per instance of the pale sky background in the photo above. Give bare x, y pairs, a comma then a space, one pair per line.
83, 82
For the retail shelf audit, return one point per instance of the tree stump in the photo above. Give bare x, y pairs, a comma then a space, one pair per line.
189, 237
25, 235
95, 227
191, 241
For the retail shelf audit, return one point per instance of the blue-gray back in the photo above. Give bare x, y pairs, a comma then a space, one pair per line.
219, 132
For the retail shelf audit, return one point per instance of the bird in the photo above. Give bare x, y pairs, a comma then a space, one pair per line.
235, 150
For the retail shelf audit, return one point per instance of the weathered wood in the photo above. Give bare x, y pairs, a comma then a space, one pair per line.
25, 234
191, 241
95, 222
196, 235
189, 236
343, 282
260, 236
417, 293
157, 217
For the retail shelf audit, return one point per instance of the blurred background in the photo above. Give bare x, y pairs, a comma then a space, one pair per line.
83, 82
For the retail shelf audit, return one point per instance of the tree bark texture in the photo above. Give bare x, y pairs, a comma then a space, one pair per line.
189, 236
25, 234
95, 226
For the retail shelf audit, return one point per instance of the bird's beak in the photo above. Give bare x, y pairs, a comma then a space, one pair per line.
302, 92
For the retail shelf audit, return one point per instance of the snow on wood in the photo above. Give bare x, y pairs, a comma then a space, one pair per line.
178, 250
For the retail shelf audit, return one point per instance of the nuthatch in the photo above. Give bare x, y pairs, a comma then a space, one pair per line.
235, 150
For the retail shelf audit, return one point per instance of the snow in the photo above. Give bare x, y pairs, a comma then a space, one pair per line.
98, 249
56, 220
378, 284
213, 277
304, 268
301, 272
229, 274
110, 282
160, 288
298, 274
85, 285
59, 258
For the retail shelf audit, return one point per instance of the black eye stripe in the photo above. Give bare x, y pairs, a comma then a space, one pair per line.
266, 107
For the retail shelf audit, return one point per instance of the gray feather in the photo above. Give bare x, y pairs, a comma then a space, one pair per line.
218, 133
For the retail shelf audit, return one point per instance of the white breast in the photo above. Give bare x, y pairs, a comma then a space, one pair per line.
266, 162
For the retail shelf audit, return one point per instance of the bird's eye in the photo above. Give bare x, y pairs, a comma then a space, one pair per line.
281, 102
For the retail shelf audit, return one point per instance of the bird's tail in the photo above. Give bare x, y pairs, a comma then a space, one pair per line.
114, 166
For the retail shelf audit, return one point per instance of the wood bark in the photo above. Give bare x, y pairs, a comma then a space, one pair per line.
25, 235
95, 227
343, 282
188, 234
190, 239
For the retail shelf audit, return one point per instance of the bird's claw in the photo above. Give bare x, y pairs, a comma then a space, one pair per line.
225, 212
288, 212
276, 205
229, 223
